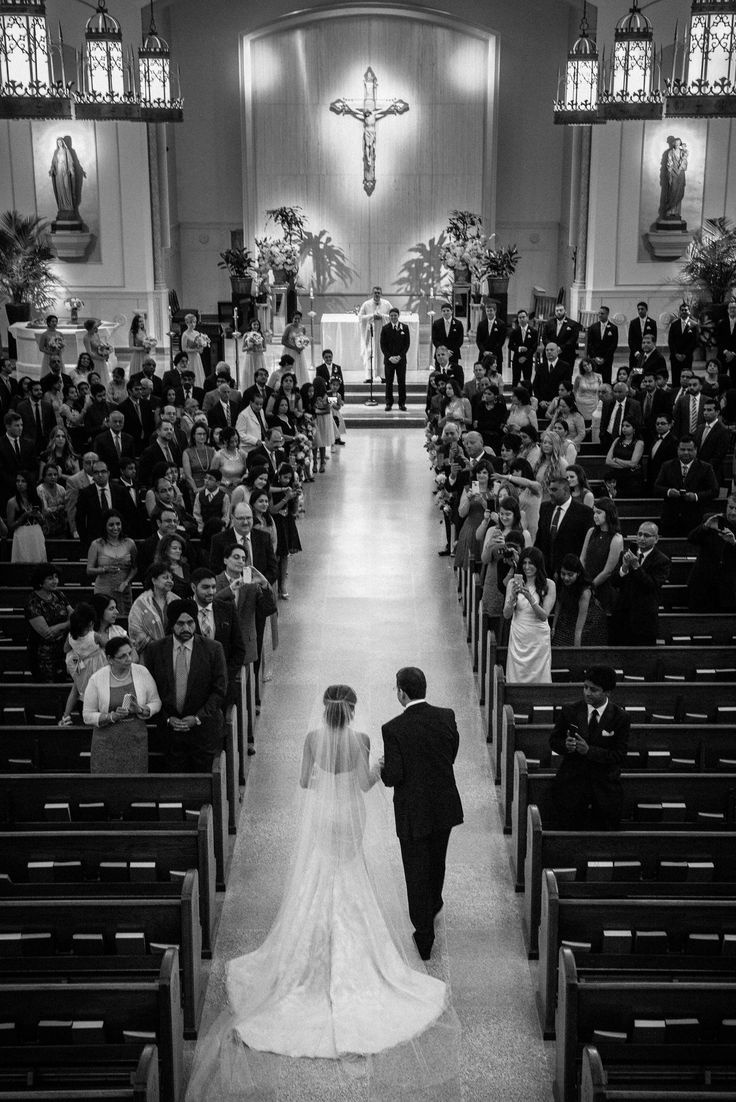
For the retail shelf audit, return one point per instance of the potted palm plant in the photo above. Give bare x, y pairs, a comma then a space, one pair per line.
242, 268
710, 267
27, 278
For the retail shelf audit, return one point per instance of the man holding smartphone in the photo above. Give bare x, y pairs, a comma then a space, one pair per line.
642, 571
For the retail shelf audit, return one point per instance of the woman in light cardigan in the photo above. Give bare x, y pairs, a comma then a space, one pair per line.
118, 701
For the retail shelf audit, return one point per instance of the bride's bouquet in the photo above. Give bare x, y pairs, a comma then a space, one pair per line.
302, 342
56, 343
201, 341
104, 349
149, 345
253, 342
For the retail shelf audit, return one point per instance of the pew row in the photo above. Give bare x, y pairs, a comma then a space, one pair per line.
120, 1082
617, 1084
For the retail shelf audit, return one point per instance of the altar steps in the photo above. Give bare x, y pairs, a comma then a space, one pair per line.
359, 415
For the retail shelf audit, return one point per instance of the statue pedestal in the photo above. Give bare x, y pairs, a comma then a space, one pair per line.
670, 239
70, 244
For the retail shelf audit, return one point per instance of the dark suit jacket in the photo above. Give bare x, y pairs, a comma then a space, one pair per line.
140, 428
322, 371
635, 619
158, 386
635, 335
603, 345
420, 746
216, 418
667, 450
196, 392
229, 636
655, 363
245, 600
25, 410
678, 514
660, 404
491, 339
682, 342
395, 342
260, 456
607, 745
547, 380
681, 415
716, 446
452, 342
89, 514
523, 360
206, 687
105, 448
251, 390
632, 411
171, 378
10, 465
570, 533
264, 558
567, 339
48, 380
726, 342
8, 393
151, 456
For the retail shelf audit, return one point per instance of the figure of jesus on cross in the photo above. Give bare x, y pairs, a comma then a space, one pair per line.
369, 113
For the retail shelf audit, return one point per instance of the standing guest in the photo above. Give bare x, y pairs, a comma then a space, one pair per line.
329, 370
649, 359
623, 461
191, 676
490, 416
640, 327
476, 498
137, 519
245, 584
112, 444
295, 342
251, 423
435, 394
283, 419
420, 747
682, 340
687, 485
117, 390
602, 551
270, 454
613, 411
523, 341
499, 555
118, 701
602, 343
564, 333
193, 345
223, 413
106, 617
188, 391
136, 343
74, 486
324, 436
712, 582
172, 379
229, 460
24, 518
61, 453
8, 385
95, 501
147, 616
579, 486
85, 364
563, 524
448, 331
172, 551
662, 448
715, 382
552, 464
490, 334
97, 347
84, 656
97, 411
372, 316
591, 736
725, 336
445, 366
639, 580
284, 510
260, 387
521, 483
260, 503
566, 410
454, 407
198, 459
55, 375
569, 452
687, 412
473, 389
165, 494
111, 562
258, 544
285, 367
288, 390
16, 454
254, 353
217, 619
653, 403
52, 497
395, 341
712, 438
148, 372
530, 598
47, 613
38, 417
211, 508
50, 343
578, 621
551, 371
530, 449
521, 413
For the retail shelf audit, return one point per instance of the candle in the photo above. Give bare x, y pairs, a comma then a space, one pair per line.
311, 291
235, 319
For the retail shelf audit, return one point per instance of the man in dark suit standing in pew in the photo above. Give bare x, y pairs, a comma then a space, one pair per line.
639, 578
591, 736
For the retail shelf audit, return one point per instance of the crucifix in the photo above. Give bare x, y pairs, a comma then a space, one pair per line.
369, 112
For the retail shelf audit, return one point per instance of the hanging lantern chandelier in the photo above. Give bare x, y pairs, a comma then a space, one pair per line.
579, 103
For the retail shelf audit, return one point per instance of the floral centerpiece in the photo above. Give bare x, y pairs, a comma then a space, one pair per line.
278, 256
489, 262
461, 234
201, 341
75, 305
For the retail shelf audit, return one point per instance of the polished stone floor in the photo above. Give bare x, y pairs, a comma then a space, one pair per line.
368, 595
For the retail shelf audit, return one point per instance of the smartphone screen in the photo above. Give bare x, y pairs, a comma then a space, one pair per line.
474, 487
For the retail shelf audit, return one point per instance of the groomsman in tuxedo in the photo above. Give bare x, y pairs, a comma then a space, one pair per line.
420, 747
491, 333
523, 341
682, 341
725, 336
602, 344
448, 331
662, 449
564, 333
687, 485
639, 327
395, 341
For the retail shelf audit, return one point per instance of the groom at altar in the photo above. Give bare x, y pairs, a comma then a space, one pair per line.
372, 315
420, 747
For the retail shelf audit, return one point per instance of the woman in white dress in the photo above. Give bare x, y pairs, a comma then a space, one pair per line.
330, 980
191, 344
97, 347
296, 342
530, 599
138, 351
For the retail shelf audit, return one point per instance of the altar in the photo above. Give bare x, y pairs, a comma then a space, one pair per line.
341, 333
28, 360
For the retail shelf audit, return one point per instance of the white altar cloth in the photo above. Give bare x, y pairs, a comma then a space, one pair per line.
341, 333
30, 356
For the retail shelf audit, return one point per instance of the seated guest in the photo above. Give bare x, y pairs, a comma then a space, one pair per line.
712, 438
712, 582
662, 448
123, 696
147, 616
687, 485
602, 550
578, 619
191, 676
639, 580
591, 736
211, 508
623, 472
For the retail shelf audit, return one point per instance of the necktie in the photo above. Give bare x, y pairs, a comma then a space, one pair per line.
617, 419
655, 445
647, 405
693, 413
248, 551
204, 623
181, 673
16, 447
706, 430
684, 472
103, 501
555, 521
118, 446
396, 329
167, 453
640, 556
39, 424
593, 725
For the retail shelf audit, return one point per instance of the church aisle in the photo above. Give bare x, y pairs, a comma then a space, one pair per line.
369, 594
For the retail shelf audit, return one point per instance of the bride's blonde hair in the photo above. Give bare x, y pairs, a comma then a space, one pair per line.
339, 702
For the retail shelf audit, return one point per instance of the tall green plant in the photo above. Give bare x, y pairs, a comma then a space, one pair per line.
711, 259
26, 274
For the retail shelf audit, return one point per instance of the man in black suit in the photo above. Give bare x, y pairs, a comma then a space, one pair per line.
167, 523
128, 483
420, 747
602, 344
563, 524
564, 333
653, 402
148, 371
639, 327
259, 548
446, 367
328, 370
223, 413
639, 578
712, 438
140, 420
491, 333
448, 331
112, 444
682, 340
191, 676
96, 500
648, 358
188, 390
8, 385
662, 449
54, 374
523, 341
591, 736
551, 371
395, 341
725, 337
38, 417
173, 378
687, 412
164, 450
217, 618
616, 410
260, 380
687, 486
16, 454
269, 454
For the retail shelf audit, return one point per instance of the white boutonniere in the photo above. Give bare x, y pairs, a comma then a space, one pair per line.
606, 734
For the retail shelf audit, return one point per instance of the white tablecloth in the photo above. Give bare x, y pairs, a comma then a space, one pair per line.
341, 333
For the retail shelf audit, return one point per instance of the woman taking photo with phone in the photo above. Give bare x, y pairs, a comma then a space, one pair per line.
530, 598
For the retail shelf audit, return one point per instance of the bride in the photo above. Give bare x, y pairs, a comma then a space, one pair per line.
331, 980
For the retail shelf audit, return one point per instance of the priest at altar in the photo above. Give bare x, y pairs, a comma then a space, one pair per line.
373, 315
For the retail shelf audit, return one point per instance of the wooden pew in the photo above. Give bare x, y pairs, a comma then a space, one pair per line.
679, 1084
176, 849
168, 921
566, 920
555, 849
702, 793
123, 1083
584, 1005
24, 795
149, 1006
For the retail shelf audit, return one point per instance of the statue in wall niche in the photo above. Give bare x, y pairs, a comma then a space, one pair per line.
66, 177
672, 179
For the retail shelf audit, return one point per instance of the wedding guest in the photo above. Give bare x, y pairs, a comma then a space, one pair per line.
198, 459
122, 695
522, 484
260, 503
47, 613
24, 517
288, 390
284, 367
147, 616
522, 414
567, 411
687, 485
623, 462
284, 510
639, 580
84, 656
117, 390
111, 561
211, 508
455, 407
475, 500
563, 524
663, 447
530, 449
256, 477
490, 416
52, 496
60, 452
172, 552
254, 356
602, 550
580, 490
587, 389
712, 582
578, 620
499, 555
530, 598
552, 464
193, 343
229, 460
715, 380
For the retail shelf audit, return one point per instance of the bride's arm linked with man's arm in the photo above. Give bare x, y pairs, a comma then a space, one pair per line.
367, 774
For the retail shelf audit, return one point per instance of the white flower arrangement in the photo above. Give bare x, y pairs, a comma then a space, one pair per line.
149, 344
56, 343
274, 252
201, 341
302, 342
104, 349
253, 341
74, 303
